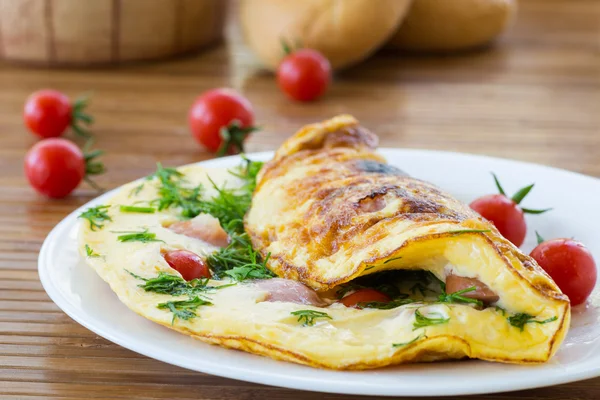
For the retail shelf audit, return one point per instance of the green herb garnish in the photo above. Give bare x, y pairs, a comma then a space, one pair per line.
419, 287
519, 320
239, 260
422, 321
500, 310
136, 190
309, 316
421, 336
254, 269
248, 173
184, 309
143, 236
229, 205
136, 209
175, 285
90, 252
431, 277
460, 231
457, 297
390, 290
348, 287
391, 259
386, 306
96, 216
173, 192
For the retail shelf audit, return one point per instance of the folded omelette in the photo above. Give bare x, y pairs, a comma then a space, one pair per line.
288, 243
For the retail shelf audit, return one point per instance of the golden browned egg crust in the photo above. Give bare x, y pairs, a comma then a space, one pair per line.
329, 209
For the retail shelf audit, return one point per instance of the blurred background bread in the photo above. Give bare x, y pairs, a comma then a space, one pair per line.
452, 25
345, 31
87, 32
91, 32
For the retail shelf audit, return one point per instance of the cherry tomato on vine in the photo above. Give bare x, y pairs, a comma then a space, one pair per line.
505, 213
190, 265
48, 113
571, 266
221, 120
304, 75
364, 296
56, 166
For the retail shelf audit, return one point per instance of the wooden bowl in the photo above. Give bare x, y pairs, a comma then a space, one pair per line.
90, 32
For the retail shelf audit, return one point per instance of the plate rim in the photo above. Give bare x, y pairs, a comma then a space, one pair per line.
270, 379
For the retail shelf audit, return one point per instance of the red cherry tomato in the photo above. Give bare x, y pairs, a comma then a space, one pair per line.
304, 75
189, 265
571, 266
48, 113
364, 296
505, 214
54, 167
220, 120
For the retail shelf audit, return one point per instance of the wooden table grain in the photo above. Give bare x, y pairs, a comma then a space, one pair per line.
535, 96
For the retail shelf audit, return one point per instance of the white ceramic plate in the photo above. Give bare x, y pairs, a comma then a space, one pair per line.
76, 289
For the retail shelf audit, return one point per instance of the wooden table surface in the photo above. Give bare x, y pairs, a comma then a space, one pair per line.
534, 97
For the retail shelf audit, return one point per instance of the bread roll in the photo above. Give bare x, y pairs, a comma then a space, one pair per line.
449, 25
345, 31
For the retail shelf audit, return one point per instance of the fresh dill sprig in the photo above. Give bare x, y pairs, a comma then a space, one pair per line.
172, 192
461, 231
96, 216
346, 288
421, 336
422, 321
137, 209
136, 190
457, 297
174, 285
248, 172
419, 287
184, 309
255, 269
390, 290
500, 310
90, 252
430, 277
386, 306
239, 260
391, 259
307, 317
228, 206
519, 320
143, 236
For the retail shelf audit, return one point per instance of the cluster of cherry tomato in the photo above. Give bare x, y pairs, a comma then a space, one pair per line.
567, 261
222, 119
55, 166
